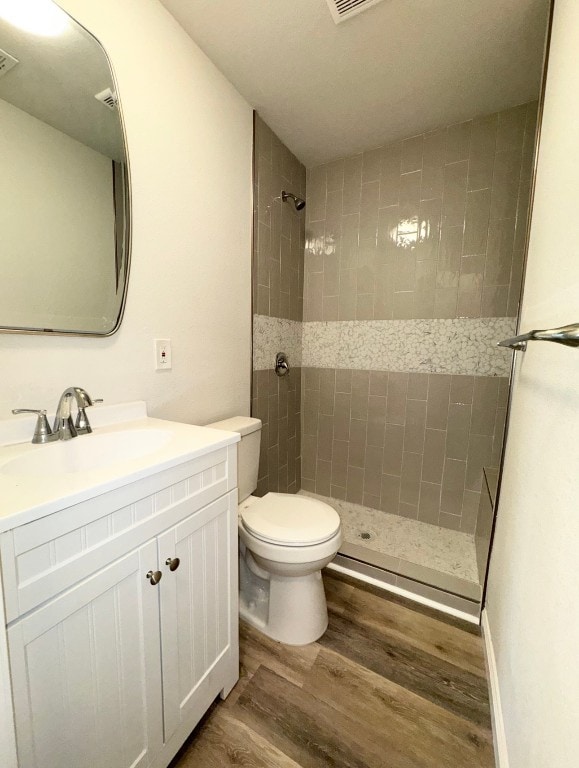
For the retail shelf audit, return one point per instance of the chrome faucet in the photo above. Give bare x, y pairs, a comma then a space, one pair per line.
63, 425
64, 428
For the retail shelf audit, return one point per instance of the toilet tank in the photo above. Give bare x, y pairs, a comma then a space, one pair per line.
247, 451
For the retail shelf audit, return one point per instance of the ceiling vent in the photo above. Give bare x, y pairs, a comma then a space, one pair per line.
108, 98
345, 9
7, 62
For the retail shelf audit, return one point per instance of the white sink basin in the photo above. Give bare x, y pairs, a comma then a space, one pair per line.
126, 446
86, 453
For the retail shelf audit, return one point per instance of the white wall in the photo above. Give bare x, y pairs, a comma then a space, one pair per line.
533, 597
56, 211
190, 144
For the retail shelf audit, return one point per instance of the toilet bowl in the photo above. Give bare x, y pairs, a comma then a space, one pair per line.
281, 587
284, 542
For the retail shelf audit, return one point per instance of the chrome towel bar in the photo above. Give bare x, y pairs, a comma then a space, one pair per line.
567, 335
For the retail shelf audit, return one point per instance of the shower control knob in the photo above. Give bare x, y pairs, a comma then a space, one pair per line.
173, 563
281, 364
154, 577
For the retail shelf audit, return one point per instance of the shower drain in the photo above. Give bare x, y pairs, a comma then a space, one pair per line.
366, 535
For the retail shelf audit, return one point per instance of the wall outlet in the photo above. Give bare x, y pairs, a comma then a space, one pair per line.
163, 361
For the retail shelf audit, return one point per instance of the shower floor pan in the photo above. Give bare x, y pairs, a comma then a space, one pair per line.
425, 553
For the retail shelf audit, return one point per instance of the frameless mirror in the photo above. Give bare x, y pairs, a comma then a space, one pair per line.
64, 193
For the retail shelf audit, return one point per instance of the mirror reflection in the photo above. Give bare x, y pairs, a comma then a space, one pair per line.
64, 192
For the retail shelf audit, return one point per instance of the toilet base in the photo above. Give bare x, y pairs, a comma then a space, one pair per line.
296, 613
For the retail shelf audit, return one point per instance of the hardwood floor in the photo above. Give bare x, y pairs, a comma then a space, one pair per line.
390, 685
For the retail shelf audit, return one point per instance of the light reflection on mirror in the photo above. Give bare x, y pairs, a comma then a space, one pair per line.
41, 17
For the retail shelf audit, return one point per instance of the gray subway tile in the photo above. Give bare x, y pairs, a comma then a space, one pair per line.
458, 138
352, 184
447, 520
434, 451
343, 381
453, 487
511, 128
482, 152
454, 199
438, 401
485, 399
415, 426
378, 383
505, 187
390, 174
458, 431
410, 478
429, 506
355, 485
408, 510
478, 206
461, 389
412, 151
390, 494
417, 386
371, 165
335, 175
396, 402
393, 448
373, 472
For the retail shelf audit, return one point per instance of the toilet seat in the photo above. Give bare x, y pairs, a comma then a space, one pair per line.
290, 520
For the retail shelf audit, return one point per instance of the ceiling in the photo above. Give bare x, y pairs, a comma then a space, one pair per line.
399, 68
56, 80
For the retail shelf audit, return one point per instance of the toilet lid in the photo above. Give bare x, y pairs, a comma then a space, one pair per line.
284, 518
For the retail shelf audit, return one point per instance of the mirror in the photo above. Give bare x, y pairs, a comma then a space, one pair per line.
64, 194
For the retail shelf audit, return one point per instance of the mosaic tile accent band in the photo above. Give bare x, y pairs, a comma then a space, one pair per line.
465, 346
272, 335
457, 346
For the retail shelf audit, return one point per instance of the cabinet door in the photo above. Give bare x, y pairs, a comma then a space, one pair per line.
199, 621
86, 673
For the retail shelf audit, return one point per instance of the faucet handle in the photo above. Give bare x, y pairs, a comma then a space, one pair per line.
82, 424
42, 431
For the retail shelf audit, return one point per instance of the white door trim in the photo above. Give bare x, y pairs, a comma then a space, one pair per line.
499, 735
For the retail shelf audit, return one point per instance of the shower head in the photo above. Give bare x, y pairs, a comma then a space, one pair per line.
297, 201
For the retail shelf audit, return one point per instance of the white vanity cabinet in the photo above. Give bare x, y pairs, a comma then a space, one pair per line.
108, 668
85, 672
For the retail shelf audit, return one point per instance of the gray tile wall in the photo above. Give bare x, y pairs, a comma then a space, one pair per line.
485, 519
432, 226
279, 230
278, 274
411, 444
277, 402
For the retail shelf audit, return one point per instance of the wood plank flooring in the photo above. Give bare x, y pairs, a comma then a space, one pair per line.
390, 685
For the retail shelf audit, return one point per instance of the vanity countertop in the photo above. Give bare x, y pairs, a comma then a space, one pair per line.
147, 446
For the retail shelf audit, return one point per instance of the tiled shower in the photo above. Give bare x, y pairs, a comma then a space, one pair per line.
412, 271
278, 290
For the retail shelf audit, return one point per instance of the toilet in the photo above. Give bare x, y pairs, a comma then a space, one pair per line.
284, 542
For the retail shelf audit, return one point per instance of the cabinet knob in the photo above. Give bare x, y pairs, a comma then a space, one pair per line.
173, 563
154, 577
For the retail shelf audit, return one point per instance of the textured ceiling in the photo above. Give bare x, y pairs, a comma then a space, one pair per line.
399, 68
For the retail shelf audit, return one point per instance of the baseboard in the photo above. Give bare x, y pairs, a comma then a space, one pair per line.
499, 735
404, 593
